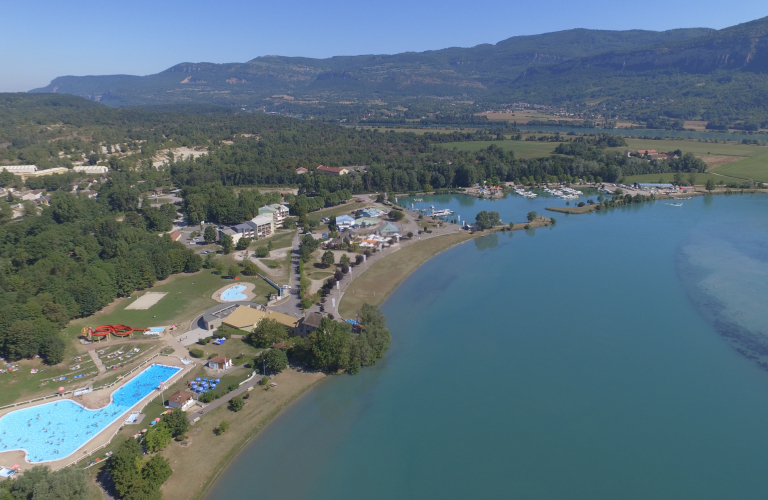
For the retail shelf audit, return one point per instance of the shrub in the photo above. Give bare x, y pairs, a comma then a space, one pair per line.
222, 428
196, 353
236, 404
262, 251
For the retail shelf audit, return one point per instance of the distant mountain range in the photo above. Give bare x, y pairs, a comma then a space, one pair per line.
683, 73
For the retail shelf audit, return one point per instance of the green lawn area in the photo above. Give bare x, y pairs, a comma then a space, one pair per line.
701, 179
755, 168
523, 149
232, 348
187, 296
695, 147
282, 239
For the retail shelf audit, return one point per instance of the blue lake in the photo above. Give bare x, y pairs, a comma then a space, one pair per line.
618, 354
54, 430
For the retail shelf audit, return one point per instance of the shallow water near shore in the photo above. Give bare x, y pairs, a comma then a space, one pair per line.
615, 355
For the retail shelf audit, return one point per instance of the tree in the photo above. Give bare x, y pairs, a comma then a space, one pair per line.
678, 179
487, 220
209, 234
21, 341
250, 269
236, 404
243, 243
66, 208
265, 381
277, 360
262, 251
222, 428
330, 345
52, 349
177, 422
123, 466
39, 483
233, 271
710, 184
155, 472
227, 245
157, 437
532, 216
396, 215
344, 260
220, 268
328, 259
692, 178
267, 332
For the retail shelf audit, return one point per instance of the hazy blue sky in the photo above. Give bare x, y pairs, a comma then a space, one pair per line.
43, 39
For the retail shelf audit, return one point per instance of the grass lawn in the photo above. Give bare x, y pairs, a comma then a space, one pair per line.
283, 238
755, 168
232, 348
696, 147
523, 149
383, 276
187, 296
206, 454
669, 177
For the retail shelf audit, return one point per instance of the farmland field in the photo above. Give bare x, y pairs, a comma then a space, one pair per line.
755, 168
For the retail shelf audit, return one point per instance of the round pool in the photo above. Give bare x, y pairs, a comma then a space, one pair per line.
234, 293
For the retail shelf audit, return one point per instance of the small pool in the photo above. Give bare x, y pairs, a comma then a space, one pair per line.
52, 431
234, 293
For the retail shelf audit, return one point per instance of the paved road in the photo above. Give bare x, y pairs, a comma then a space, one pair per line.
409, 225
292, 304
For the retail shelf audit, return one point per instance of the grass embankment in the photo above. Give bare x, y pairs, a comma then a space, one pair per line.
377, 282
572, 210
197, 465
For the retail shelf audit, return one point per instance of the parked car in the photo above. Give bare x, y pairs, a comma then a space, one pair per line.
287, 287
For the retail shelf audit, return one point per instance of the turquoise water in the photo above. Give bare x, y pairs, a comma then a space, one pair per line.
52, 431
590, 360
234, 293
513, 208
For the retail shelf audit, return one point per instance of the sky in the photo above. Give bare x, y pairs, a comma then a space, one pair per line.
43, 39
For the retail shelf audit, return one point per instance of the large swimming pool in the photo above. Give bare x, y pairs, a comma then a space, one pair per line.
54, 430
234, 293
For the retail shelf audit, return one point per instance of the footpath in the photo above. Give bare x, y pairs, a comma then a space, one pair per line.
227, 397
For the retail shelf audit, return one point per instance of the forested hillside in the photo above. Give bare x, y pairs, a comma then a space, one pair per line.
456, 73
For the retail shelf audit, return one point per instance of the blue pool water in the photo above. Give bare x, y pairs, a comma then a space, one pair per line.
52, 431
234, 293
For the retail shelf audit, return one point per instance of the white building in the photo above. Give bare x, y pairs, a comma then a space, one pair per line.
19, 169
278, 212
264, 225
92, 169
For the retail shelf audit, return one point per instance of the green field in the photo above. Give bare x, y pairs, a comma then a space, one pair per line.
187, 296
697, 148
523, 149
283, 238
755, 168
701, 179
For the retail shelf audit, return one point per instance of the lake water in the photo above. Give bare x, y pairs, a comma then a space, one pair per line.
615, 355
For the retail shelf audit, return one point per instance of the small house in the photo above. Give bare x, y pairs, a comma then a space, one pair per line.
181, 399
301, 170
220, 363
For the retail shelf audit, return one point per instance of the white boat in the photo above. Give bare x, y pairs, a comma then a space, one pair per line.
676, 205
